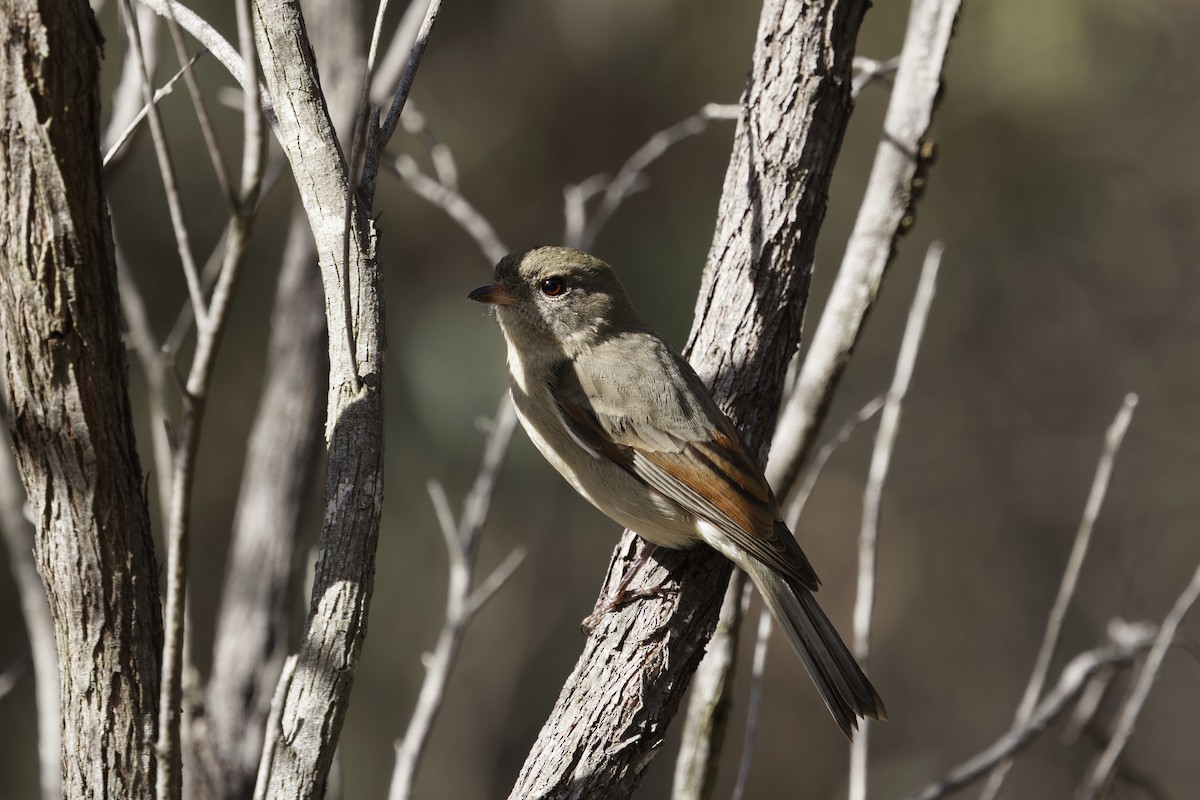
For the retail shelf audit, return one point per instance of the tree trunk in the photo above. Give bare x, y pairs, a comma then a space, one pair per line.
67, 400
612, 714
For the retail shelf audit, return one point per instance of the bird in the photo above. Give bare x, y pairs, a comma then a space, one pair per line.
626, 420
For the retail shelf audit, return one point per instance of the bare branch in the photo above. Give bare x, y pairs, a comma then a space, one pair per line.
18, 533
206, 128
274, 728
391, 66
758, 674
166, 167
881, 458
1098, 775
462, 544
800, 500
638, 659
1075, 677
868, 70
1070, 578
343, 577
208, 36
631, 177
120, 139
897, 179
127, 105
209, 330
457, 207
712, 694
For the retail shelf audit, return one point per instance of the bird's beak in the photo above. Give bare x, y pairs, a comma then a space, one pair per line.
493, 293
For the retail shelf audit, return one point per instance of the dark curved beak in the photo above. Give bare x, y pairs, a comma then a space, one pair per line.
493, 293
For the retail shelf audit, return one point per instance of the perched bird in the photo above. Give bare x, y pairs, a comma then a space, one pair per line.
630, 425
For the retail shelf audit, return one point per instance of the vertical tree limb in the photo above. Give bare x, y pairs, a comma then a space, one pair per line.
67, 402
318, 693
612, 713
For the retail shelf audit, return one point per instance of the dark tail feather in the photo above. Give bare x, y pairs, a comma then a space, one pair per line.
846, 691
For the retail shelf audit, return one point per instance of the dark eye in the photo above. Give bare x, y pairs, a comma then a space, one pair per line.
552, 287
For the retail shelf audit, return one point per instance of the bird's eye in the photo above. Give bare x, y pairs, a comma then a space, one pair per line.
553, 287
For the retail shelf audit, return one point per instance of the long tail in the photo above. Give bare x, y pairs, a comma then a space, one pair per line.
846, 691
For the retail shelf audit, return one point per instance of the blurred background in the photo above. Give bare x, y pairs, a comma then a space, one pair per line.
1067, 192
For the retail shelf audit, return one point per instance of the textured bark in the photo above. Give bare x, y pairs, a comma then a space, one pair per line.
252, 627
611, 716
68, 404
260, 583
318, 694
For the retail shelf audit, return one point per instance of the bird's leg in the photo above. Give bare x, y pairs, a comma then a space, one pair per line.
621, 595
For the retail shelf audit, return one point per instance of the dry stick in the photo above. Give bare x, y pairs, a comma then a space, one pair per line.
119, 140
631, 175
166, 167
765, 626
881, 458
758, 669
379, 134
886, 211
209, 329
1098, 775
897, 178
18, 533
221, 49
206, 128
1074, 679
361, 118
391, 66
154, 368
457, 207
274, 727
1070, 579
127, 105
869, 70
440, 154
712, 691
462, 602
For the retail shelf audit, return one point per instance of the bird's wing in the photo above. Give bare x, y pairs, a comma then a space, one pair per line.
679, 444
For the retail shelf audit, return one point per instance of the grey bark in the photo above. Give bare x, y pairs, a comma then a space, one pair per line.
260, 583
316, 697
611, 716
67, 401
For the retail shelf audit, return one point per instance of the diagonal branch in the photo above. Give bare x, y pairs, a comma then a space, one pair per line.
896, 182
1070, 578
635, 666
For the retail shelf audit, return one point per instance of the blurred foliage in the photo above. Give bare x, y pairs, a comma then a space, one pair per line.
1066, 191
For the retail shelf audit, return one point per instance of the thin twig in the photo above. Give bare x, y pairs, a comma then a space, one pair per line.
217, 44
868, 70
123, 137
126, 101
166, 168
896, 181
391, 66
707, 713
631, 175
796, 506
881, 458
415, 122
154, 368
274, 727
1075, 677
462, 602
209, 328
1098, 775
1070, 579
410, 74
754, 703
220, 170
457, 207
